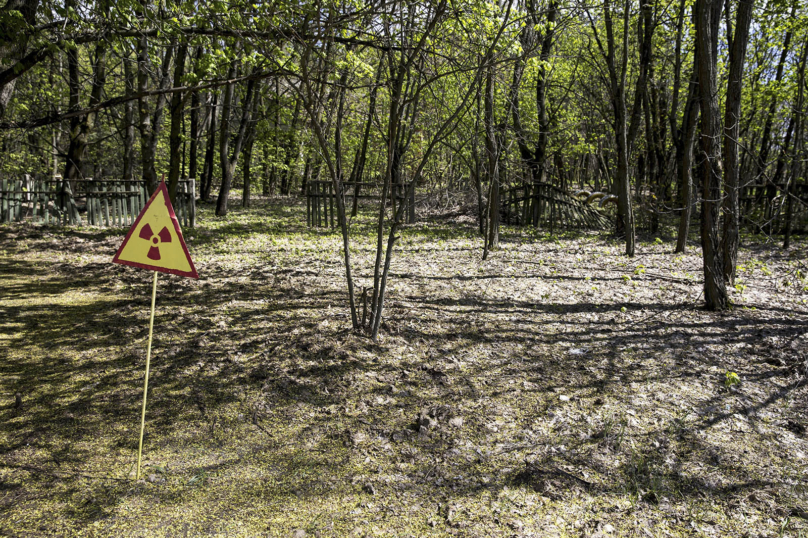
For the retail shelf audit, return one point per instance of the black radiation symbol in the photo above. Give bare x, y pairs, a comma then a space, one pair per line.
163, 237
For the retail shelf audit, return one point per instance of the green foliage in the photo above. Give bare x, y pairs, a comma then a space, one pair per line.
731, 379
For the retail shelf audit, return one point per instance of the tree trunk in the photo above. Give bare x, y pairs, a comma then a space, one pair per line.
151, 125
248, 154
684, 153
245, 193
617, 87
540, 153
128, 121
535, 160
765, 142
193, 157
14, 41
229, 163
359, 168
175, 135
732, 117
797, 158
207, 172
708, 16
81, 126
492, 154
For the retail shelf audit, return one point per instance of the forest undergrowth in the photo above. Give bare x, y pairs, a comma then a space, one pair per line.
556, 389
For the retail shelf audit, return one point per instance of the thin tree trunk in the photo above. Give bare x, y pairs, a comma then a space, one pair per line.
151, 125
797, 157
81, 126
175, 134
229, 163
708, 16
492, 154
13, 43
685, 161
732, 119
292, 149
359, 168
207, 172
128, 121
193, 157
765, 142
248, 154
245, 192
617, 83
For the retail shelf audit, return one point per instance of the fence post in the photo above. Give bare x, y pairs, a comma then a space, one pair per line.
43, 200
133, 193
184, 204
144, 195
3, 202
332, 199
113, 203
192, 186
122, 203
66, 215
118, 199
16, 198
411, 207
322, 206
91, 215
105, 199
36, 202
319, 204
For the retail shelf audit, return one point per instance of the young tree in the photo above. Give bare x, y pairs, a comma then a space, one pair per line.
732, 118
228, 162
708, 17
617, 92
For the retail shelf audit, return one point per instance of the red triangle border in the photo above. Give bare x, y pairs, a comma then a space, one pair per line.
189, 274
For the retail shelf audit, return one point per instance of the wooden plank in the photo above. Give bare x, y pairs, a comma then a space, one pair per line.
182, 199
411, 212
319, 206
332, 199
3, 201
185, 205
113, 202
20, 200
91, 220
105, 210
121, 205
192, 189
132, 205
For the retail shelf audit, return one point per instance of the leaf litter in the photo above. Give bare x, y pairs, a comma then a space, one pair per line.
557, 389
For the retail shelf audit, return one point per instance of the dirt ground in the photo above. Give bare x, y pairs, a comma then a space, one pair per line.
556, 389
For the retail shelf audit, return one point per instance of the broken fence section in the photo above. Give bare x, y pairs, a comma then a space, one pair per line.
321, 202
543, 204
105, 202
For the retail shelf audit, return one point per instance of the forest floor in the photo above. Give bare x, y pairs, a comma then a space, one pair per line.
562, 388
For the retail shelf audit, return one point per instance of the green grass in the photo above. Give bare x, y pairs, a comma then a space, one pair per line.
566, 402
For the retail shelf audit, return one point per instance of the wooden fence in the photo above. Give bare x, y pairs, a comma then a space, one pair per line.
763, 207
542, 203
107, 202
321, 201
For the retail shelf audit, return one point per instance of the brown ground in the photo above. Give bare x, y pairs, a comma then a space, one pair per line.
562, 389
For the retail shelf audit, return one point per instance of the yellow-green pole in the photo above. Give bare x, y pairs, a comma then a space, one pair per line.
146, 381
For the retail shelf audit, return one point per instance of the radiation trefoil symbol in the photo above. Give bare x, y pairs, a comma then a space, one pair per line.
166, 250
163, 237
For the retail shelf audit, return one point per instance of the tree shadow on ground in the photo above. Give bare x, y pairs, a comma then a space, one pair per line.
262, 396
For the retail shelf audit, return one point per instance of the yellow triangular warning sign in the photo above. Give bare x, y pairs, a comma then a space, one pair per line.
154, 241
